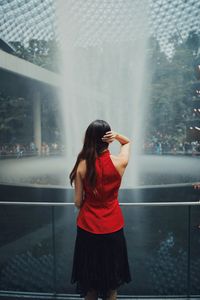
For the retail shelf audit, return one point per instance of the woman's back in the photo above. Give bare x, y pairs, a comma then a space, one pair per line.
100, 262
100, 212
108, 181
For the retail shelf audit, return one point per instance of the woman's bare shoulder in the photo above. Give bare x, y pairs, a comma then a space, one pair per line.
120, 159
117, 160
118, 163
115, 157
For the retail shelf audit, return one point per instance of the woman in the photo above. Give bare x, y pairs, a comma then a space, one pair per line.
100, 262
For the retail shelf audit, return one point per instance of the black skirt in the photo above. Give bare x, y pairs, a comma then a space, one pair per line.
100, 262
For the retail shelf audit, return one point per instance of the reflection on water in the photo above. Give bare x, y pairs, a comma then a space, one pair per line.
152, 170
168, 265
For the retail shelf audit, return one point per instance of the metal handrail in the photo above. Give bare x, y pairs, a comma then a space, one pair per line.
121, 204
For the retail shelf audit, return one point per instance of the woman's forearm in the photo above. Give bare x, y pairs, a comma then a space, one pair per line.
122, 139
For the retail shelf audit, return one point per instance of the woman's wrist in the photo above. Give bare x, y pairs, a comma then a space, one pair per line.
110, 136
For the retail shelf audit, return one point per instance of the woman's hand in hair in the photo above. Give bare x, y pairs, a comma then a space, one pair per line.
109, 137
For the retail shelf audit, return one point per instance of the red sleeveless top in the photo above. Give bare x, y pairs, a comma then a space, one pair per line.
100, 212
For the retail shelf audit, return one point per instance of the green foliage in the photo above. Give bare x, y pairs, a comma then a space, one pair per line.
171, 87
170, 91
14, 118
15, 112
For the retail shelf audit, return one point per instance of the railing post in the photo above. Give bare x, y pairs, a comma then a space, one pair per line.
189, 253
54, 251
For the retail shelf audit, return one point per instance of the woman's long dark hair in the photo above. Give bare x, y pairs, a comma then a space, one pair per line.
92, 147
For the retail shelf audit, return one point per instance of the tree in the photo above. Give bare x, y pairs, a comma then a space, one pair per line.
16, 112
171, 87
14, 118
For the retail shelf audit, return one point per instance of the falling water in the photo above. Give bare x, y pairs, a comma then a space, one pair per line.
104, 47
103, 70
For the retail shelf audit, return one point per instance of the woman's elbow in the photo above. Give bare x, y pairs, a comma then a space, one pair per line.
77, 203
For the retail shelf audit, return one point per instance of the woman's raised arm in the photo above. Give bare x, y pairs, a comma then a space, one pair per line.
125, 142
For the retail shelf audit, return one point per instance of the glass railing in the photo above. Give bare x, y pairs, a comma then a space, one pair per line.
37, 241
